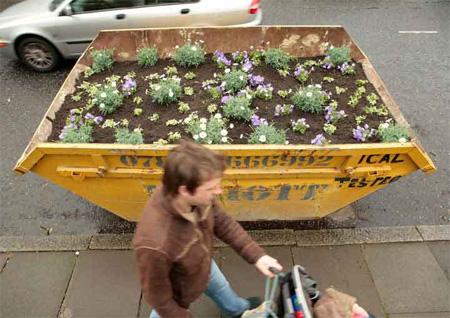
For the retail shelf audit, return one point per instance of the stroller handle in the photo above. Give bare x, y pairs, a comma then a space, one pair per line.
276, 271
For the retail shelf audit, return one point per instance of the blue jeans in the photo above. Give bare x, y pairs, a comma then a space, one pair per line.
220, 292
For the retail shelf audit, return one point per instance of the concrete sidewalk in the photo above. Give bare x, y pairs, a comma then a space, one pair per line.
399, 272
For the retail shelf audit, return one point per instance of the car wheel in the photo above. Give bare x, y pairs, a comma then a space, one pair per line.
38, 54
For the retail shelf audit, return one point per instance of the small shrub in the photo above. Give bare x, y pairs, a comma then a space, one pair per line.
238, 108
301, 75
208, 131
264, 91
372, 99
183, 107
73, 135
173, 136
363, 133
190, 75
276, 58
189, 91
167, 91
147, 56
320, 140
339, 54
267, 134
189, 55
234, 81
393, 133
283, 110
102, 60
125, 136
154, 117
309, 99
107, 98
329, 128
137, 111
300, 125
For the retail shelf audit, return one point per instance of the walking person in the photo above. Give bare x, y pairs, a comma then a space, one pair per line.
174, 238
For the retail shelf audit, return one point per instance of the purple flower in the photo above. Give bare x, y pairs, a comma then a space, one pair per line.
89, 116
72, 111
332, 115
327, 65
221, 58
256, 121
363, 133
73, 118
81, 123
98, 120
299, 70
255, 80
320, 140
226, 98
235, 54
129, 86
247, 65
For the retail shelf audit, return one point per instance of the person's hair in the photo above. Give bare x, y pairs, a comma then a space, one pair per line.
190, 165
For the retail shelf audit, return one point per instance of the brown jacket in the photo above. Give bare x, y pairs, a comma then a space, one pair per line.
334, 305
174, 253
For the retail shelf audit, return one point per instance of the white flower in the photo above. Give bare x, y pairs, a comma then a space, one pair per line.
227, 70
103, 95
195, 137
203, 135
137, 130
309, 94
241, 78
177, 46
94, 100
224, 132
194, 48
215, 75
318, 86
116, 92
187, 120
287, 142
203, 126
170, 93
157, 88
384, 125
290, 90
241, 136
231, 126
209, 141
113, 84
402, 140
262, 138
201, 41
251, 47
248, 96
218, 116
242, 107
102, 105
224, 139
203, 120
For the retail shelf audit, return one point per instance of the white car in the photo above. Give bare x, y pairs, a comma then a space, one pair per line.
40, 33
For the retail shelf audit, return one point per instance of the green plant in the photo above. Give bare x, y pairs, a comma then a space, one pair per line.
208, 131
284, 72
283, 93
339, 54
255, 56
109, 123
73, 135
102, 60
107, 98
137, 111
360, 119
189, 55
190, 75
372, 99
137, 100
309, 99
329, 128
171, 70
125, 136
215, 93
360, 82
340, 90
267, 134
238, 108
234, 81
173, 136
172, 122
147, 56
276, 58
264, 91
300, 125
183, 107
189, 91
211, 108
154, 117
309, 63
354, 99
160, 142
328, 79
167, 91
76, 97
380, 111
88, 72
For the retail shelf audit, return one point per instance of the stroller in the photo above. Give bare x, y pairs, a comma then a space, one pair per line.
297, 296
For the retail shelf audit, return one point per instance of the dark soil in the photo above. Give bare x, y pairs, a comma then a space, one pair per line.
202, 98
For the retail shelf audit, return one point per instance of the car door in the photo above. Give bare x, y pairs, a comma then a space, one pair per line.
88, 17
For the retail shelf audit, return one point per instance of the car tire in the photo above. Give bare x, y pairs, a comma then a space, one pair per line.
38, 54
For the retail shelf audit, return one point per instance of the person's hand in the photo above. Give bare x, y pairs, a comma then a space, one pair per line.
265, 262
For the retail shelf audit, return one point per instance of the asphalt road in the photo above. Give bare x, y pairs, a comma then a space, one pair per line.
414, 67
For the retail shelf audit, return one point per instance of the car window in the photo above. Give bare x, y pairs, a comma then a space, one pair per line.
54, 4
79, 6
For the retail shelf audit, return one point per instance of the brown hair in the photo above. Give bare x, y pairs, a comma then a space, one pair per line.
190, 164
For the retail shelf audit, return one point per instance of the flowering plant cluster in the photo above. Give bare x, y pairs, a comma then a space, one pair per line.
124, 136
310, 99
173, 136
380, 111
264, 91
267, 134
300, 125
189, 55
238, 108
284, 110
372, 99
255, 80
183, 107
220, 59
332, 115
78, 129
208, 131
147, 56
389, 132
166, 91
363, 133
102, 60
107, 98
329, 128
338, 55
284, 93
234, 81
302, 74
129, 87
257, 121
320, 140
347, 69
190, 75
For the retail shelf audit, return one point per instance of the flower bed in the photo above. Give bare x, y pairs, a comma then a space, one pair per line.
253, 96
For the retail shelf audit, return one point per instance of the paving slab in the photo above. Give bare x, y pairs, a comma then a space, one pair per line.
344, 268
44, 243
408, 278
441, 252
104, 284
357, 236
33, 284
435, 232
244, 278
422, 315
3, 259
111, 242
203, 307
